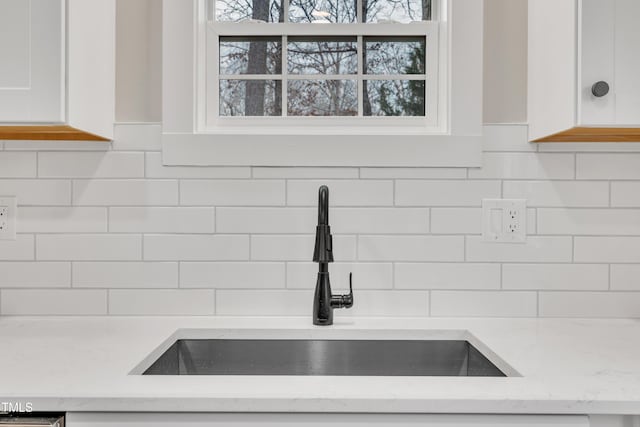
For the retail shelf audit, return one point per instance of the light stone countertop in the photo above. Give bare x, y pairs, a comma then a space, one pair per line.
561, 366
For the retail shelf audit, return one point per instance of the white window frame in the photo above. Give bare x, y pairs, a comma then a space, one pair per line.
454, 138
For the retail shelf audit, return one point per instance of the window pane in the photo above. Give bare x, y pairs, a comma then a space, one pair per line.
322, 98
242, 10
250, 55
323, 11
396, 10
250, 97
394, 55
394, 98
322, 55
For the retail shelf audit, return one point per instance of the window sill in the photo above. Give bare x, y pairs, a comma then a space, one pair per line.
321, 149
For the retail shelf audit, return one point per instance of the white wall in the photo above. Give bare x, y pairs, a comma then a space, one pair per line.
139, 61
139, 57
505, 61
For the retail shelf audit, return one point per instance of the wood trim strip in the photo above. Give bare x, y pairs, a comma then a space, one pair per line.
47, 133
589, 134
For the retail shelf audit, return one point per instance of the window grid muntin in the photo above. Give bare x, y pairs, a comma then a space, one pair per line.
427, 29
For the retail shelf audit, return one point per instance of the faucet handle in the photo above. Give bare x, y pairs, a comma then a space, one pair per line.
344, 301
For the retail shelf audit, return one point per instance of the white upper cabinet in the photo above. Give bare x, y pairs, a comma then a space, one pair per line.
610, 43
584, 70
32, 69
57, 69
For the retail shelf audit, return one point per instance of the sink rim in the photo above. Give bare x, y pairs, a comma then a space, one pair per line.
325, 334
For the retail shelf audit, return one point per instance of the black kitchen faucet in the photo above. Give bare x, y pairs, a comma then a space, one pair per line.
323, 301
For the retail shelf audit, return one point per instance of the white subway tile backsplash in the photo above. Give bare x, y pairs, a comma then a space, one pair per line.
380, 220
456, 220
303, 275
125, 193
341, 192
298, 248
607, 166
590, 304
161, 302
137, 137
161, 220
31, 192
524, 166
232, 192
17, 165
411, 248
61, 220
35, 274
264, 302
196, 247
59, 302
535, 249
107, 229
307, 173
388, 303
625, 277
109, 164
555, 277
447, 276
619, 222
23, 248
606, 249
230, 275
88, 247
155, 169
128, 274
445, 193
580, 147
625, 194
413, 173
483, 304
267, 220
559, 193
21, 145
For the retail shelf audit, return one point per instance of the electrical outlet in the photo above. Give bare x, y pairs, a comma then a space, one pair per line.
504, 220
8, 213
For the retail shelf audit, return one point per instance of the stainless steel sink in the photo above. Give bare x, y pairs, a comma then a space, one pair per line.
323, 357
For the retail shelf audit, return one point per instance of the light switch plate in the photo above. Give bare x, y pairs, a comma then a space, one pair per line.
8, 213
504, 220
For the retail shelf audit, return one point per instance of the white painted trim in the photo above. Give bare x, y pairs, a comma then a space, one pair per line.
456, 143
326, 150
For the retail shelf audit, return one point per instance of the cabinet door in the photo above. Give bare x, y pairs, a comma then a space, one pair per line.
31, 61
610, 36
76, 419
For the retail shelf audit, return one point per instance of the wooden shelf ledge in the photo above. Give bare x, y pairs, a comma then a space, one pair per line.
47, 133
589, 134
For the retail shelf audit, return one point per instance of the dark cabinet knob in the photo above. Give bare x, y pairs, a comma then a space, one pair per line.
600, 89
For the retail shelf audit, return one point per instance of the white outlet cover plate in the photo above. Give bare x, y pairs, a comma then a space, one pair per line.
504, 220
8, 210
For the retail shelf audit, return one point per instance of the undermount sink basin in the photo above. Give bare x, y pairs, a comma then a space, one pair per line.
343, 357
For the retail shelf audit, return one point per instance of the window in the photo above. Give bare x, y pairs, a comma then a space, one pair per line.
322, 82
295, 61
